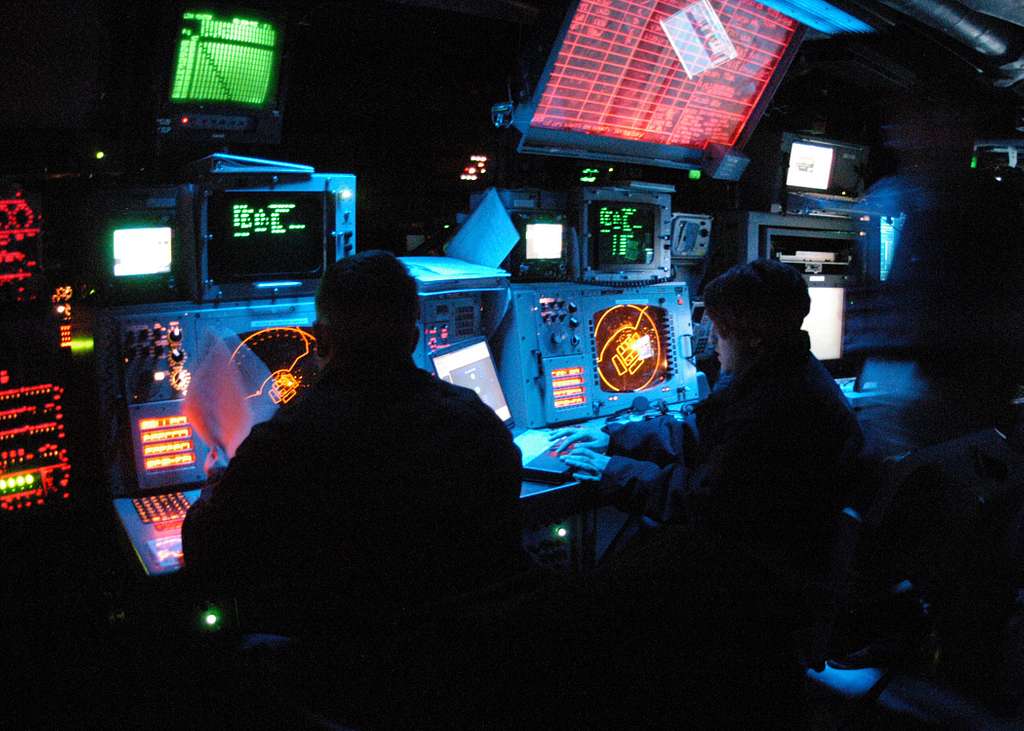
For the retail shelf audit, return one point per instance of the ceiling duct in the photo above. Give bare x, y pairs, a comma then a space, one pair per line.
997, 40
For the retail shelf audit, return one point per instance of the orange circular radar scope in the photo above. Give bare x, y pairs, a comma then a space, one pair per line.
630, 342
288, 353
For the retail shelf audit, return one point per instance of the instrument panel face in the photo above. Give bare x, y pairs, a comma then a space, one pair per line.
159, 349
574, 352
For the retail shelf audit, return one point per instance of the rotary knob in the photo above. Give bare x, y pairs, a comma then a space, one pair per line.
573, 322
174, 334
176, 355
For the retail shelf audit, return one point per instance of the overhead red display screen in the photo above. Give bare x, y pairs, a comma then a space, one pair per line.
680, 72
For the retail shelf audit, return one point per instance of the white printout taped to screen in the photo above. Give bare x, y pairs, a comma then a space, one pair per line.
810, 166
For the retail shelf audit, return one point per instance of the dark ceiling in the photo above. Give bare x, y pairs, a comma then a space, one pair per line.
400, 92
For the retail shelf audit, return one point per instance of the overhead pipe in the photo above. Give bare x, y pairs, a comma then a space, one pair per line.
991, 37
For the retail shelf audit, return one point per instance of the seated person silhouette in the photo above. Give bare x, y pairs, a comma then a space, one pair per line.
747, 490
380, 488
763, 456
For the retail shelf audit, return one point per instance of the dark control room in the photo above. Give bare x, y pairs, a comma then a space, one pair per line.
673, 376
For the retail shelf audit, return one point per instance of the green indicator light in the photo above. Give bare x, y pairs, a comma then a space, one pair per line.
694, 175
561, 532
100, 154
82, 345
3, 484
29, 479
20, 481
974, 162
210, 619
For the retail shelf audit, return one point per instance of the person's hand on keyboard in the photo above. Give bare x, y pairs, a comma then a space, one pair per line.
586, 463
590, 437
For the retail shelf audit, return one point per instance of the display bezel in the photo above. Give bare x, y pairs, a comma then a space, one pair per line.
218, 227
651, 212
576, 144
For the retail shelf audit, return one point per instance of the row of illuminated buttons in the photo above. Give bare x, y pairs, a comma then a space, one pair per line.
15, 484
26, 391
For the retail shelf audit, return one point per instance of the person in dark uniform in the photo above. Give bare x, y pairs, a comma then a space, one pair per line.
747, 489
764, 456
381, 488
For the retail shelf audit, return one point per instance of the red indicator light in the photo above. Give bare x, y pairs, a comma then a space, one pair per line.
563, 382
562, 372
568, 392
162, 423
167, 448
169, 462
184, 120
164, 435
565, 403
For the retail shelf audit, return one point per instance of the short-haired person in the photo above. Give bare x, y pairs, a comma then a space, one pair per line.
763, 457
380, 488
748, 488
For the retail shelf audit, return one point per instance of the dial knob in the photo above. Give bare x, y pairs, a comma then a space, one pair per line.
174, 334
571, 307
573, 322
574, 340
176, 355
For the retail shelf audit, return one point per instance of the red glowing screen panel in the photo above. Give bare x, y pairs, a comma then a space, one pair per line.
19, 229
34, 463
680, 73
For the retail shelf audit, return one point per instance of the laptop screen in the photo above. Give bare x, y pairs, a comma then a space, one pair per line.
470, 366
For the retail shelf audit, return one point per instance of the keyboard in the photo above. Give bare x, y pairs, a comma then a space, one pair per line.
161, 508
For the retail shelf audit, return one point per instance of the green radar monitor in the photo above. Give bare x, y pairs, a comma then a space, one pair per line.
225, 78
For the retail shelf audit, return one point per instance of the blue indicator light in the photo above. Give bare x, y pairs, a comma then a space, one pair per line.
820, 15
277, 285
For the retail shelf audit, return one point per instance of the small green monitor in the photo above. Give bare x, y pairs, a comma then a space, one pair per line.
226, 58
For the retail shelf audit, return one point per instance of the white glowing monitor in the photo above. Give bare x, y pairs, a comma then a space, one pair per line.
810, 166
543, 241
471, 366
142, 251
824, 323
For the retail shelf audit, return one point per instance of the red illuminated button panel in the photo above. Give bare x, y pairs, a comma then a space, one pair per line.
166, 443
161, 508
568, 387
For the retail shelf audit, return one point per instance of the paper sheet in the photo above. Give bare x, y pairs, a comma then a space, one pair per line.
487, 236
